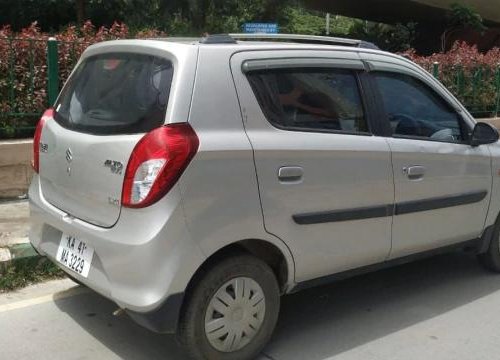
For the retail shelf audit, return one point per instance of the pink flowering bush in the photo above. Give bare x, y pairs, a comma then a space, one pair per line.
473, 77
23, 68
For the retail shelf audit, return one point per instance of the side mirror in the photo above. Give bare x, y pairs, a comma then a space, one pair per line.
483, 133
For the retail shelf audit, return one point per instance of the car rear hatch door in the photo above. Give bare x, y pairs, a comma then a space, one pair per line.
109, 102
76, 178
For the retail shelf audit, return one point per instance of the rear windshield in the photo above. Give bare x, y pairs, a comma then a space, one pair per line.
118, 93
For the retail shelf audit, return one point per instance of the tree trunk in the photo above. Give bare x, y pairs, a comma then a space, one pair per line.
80, 11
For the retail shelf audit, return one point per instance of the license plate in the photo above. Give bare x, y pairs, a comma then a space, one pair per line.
75, 254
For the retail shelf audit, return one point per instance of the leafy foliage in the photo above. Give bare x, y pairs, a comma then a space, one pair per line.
461, 17
465, 16
393, 38
23, 68
300, 21
192, 17
196, 17
473, 77
22, 272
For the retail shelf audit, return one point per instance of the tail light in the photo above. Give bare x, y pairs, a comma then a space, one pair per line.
157, 162
48, 114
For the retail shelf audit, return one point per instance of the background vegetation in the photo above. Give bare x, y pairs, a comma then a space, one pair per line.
25, 26
195, 17
473, 77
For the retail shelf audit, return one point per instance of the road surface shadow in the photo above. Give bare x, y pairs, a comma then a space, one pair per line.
319, 323
119, 334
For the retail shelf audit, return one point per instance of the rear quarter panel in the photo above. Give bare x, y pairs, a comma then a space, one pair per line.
219, 187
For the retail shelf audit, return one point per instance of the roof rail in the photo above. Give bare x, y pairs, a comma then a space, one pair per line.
218, 39
308, 39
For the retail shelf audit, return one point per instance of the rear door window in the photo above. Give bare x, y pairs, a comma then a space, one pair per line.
310, 99
117, 93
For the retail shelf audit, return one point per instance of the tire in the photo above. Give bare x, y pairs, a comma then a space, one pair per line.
200, 318
491, 258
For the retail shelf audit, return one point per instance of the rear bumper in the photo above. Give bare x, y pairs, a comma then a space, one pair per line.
143, 263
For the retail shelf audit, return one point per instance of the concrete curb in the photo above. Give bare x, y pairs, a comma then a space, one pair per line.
13, 253
15, 167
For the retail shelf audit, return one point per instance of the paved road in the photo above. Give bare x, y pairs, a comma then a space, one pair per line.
442, 308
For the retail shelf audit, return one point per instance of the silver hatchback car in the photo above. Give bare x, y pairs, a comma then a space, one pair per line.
194, 181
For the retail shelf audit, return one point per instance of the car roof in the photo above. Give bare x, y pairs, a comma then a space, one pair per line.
249, 42
240, 42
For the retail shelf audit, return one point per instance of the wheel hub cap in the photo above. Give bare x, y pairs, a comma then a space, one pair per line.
235, 314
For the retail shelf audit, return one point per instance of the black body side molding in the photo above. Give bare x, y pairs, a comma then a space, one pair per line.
402, 208
439, 203
344, 215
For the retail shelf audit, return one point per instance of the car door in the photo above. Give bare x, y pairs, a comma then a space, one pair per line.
442, 184
325, 180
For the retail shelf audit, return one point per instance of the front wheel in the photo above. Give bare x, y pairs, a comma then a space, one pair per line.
231, 311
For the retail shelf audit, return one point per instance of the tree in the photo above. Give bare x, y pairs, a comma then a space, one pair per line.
298, 20
394, 38
461, 17
80, 11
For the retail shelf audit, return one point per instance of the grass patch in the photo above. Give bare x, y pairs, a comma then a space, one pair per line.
25, 271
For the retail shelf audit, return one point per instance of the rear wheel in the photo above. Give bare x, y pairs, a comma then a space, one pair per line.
231, 311
491, 258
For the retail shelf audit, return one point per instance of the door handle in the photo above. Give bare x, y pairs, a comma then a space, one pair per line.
290, 173
414, 172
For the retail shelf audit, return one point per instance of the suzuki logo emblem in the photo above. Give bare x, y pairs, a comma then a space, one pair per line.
69, 155
69, 159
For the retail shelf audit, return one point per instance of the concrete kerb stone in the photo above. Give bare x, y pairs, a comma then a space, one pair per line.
4, 255
11, 254
15, 167
14, 228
